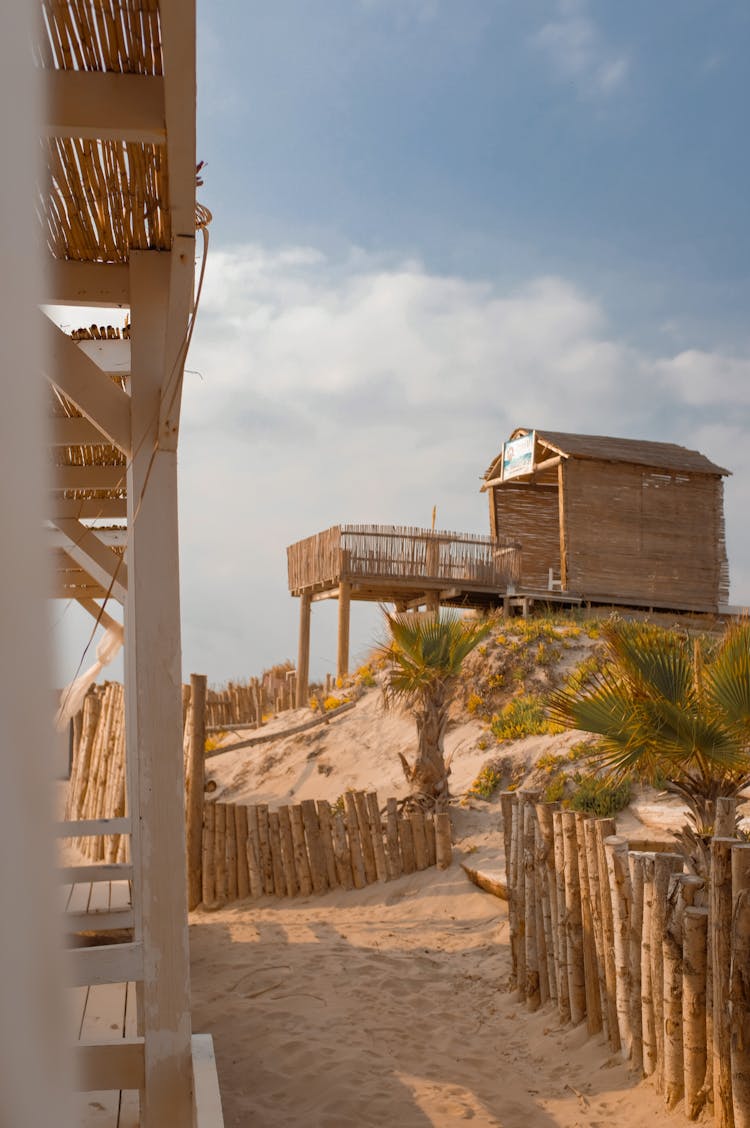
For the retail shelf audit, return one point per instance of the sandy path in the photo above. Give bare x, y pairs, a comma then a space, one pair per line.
386, 1007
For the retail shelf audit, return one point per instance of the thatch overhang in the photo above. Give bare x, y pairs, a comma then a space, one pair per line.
605, 448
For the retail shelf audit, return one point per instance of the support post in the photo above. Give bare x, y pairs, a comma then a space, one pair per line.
303, 653
154, 713
345, 595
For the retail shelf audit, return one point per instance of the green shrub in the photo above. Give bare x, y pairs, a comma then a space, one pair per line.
599, 796
554, 792
487, 782
523, 716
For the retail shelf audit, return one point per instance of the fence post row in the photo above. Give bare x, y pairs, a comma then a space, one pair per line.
625, 940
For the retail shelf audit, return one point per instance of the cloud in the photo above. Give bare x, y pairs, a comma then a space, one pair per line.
579, 52
368, 389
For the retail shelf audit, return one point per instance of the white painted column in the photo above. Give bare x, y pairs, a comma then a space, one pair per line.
153, 692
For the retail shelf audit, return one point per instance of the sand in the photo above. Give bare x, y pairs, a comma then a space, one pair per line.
389, 1005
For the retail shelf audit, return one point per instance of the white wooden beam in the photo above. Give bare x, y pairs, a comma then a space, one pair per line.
109, 871
116, 963
88, 478
76, 431
90, 389
153, 705
86, 828
112, 538
106, 920
86, 550
105, 107
71, 283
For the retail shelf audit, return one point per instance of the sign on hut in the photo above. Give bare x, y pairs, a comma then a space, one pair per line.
608, 519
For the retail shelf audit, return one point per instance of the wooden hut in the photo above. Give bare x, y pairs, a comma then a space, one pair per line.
612, 520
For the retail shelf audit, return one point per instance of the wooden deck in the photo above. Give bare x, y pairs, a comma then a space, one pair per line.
400, 564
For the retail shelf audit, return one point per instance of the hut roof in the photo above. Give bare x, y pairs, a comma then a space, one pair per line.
605, 448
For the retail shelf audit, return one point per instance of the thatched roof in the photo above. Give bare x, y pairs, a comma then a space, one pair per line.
605, 448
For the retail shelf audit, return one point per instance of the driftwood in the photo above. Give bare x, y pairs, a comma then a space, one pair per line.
486, 882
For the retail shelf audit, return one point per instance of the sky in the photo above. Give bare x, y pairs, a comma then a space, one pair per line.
435, 222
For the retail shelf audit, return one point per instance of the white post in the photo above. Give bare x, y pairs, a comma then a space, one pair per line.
153, 687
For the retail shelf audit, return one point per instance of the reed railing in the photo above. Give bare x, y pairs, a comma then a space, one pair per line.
390, 552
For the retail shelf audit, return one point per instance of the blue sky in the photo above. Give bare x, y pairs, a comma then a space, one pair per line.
435, 221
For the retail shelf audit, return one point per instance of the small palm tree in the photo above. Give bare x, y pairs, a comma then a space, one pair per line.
426, 653
670, 708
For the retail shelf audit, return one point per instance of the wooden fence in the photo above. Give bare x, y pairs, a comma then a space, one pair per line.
625, 940
251, 851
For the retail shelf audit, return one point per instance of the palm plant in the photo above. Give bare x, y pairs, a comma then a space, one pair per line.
671, 709
426, 652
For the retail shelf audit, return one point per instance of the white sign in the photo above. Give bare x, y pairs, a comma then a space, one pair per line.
518, 456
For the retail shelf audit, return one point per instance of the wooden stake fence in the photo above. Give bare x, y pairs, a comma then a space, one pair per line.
622, 939
308, 848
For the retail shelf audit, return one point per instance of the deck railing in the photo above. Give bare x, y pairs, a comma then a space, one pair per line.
383, 552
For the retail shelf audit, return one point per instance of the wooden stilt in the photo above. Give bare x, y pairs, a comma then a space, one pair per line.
264, 842
532, 990
303, 653
252, 852
342, 660
220, 852
635, 935
574, 920
664, 866
365, 838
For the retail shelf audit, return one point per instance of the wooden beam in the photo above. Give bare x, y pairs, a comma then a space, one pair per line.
88, 478
83, 546
87, 828
107, 508
303, 650
69, 283
105, 106
76, 431
109, 920
100, 1066
319, 596
111, 871
110, 537
116, 963
80, 379
153, 706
